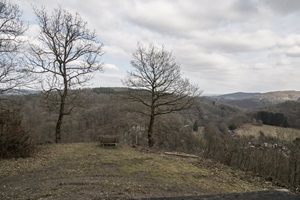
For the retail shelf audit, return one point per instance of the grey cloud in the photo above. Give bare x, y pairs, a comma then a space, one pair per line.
237, 41
248, 6
166, 17
283, 6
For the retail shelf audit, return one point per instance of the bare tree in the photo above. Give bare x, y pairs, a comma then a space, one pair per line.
11, 29
67, 53
158, 84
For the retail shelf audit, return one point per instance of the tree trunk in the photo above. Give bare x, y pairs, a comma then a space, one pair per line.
150, 131
61, 114
60, 119
58, 127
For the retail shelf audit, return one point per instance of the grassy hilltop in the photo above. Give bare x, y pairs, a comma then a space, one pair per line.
85, 170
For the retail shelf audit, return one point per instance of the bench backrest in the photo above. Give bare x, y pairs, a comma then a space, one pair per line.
109, 139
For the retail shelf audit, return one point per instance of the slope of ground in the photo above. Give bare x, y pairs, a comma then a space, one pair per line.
285, 134
87, 171
278, 96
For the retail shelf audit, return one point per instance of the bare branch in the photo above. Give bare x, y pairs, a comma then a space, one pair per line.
12, 73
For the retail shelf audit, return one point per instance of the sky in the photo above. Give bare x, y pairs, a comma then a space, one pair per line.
222, 46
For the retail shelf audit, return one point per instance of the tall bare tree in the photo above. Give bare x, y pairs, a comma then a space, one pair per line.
11, 29
67, 53
157, 84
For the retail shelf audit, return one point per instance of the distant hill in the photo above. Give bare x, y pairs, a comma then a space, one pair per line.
236, 96
20, 92
278, 96
110, 90
258, 100
242, 100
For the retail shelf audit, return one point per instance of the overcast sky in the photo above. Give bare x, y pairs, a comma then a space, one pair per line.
223, 46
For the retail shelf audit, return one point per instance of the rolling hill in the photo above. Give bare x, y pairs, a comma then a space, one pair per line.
236, 96
258, 100
278, 96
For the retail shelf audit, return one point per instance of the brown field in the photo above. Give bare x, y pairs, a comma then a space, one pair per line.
284, 134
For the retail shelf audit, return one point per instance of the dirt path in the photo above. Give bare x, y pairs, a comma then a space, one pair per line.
260, 195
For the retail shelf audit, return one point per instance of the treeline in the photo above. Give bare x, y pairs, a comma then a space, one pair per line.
290, 109
94, 113
103, 112
274, 119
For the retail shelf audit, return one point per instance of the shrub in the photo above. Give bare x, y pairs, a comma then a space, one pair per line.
14, 139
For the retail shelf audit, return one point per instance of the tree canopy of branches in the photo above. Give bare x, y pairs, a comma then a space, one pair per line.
11, 28
157, 84
66, 54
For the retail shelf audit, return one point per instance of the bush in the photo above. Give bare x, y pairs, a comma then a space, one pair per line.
14, 139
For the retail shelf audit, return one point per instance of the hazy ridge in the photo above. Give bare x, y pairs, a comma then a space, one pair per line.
258, 100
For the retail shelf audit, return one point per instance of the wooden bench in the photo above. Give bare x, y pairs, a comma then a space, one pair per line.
109, 140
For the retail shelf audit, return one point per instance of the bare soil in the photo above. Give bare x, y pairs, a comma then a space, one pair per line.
87, 171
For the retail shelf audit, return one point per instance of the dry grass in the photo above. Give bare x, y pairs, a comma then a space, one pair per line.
84, 170
284, 134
